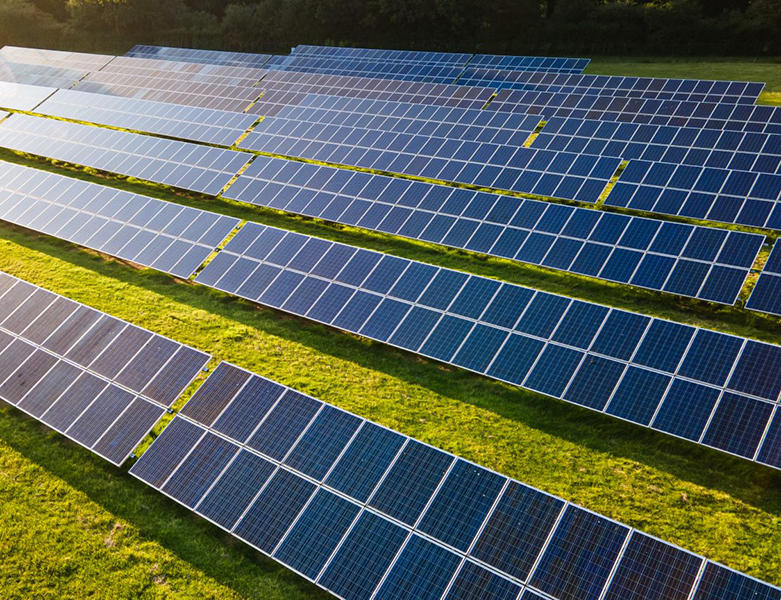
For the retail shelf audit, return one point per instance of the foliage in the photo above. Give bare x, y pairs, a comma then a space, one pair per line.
22, 23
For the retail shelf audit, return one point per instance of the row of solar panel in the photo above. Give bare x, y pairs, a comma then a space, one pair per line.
101, 381
652, 372
766, 295
172, 120
180, 164
18, 96
207, 57
711, 264
365, 512
150, 232
388, 56
55, 58
540, 172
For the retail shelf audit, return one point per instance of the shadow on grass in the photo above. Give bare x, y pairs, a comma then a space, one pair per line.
754, 484
157, 519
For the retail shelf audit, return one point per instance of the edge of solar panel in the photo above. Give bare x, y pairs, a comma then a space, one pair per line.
198, 55
381, 55
109, 381
362, 508
511, 62
20, 96
766, 295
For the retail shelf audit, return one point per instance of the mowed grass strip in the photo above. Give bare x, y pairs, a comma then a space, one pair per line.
723, 507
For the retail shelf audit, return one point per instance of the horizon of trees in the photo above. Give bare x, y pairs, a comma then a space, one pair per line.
537, 27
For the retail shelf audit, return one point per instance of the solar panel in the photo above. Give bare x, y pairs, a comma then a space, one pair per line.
650, 254
18, 96
189, 123
721, 149
100, 381
387, 56
539, 172
766, 295
545, 64
55, 58
605, 359
157, 234
699, 115
56, 77
404, 71
210, 57
685, 90
365, 512
208, 86
725, 195
179, 164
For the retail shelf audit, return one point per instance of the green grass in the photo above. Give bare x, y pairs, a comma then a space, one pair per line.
72, 526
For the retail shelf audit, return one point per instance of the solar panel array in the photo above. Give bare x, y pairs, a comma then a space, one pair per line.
721, 149
289, 88
173, 120
208, 57
729, 196
387, 56
540, 172
100, 381
703, 115
710, 264
55, 58
208, 86
179, 164
150, 232
366, 512
708, 387
766, 295
56, 77
530, 63
655, 88
18, 96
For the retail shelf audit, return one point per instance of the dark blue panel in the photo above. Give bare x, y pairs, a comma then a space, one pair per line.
167, 451
766, 296
474, 297
580, 324
580, 556
363, 559
415, 476
274, 510
686, 409
620, 334
357, 311
553, 370
687, 278
517, 530
415, 327
738, 424
664, 345
723, 284
461, 505
652, 569
476, 583
364, 463
330, 303
236, 488
423, 572
594, 382
757, 371
480, 348
516, 358
720, 583
323, 442
281, 429
770, 453
710, 357
316, 534
638, 395
385, 319
443, 289
543, 314
413, 281
200, 469
446, 338
508, 304
247, 409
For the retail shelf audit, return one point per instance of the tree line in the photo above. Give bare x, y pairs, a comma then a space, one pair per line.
537, 27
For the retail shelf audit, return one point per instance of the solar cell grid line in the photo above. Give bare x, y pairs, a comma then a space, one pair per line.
180, 164
582, 178
686, 90
429, 73
530, 63
210, 126
211, 57
606, 359
154, 233
723, 195
55, 58
379, 55
746, 151
700, 115
633, 250
766, 295
511, 535
56, 77
18, 96
96, 379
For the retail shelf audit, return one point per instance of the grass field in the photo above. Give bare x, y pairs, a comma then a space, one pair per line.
72, 526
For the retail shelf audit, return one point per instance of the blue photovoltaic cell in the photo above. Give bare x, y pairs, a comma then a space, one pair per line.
580, 556
766, 295
157, 234
638, 395
206, 125
770, 452
545, 64
476, 583
180, 164
721, 583
282, 427
738, 424
686, 409
652, 569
